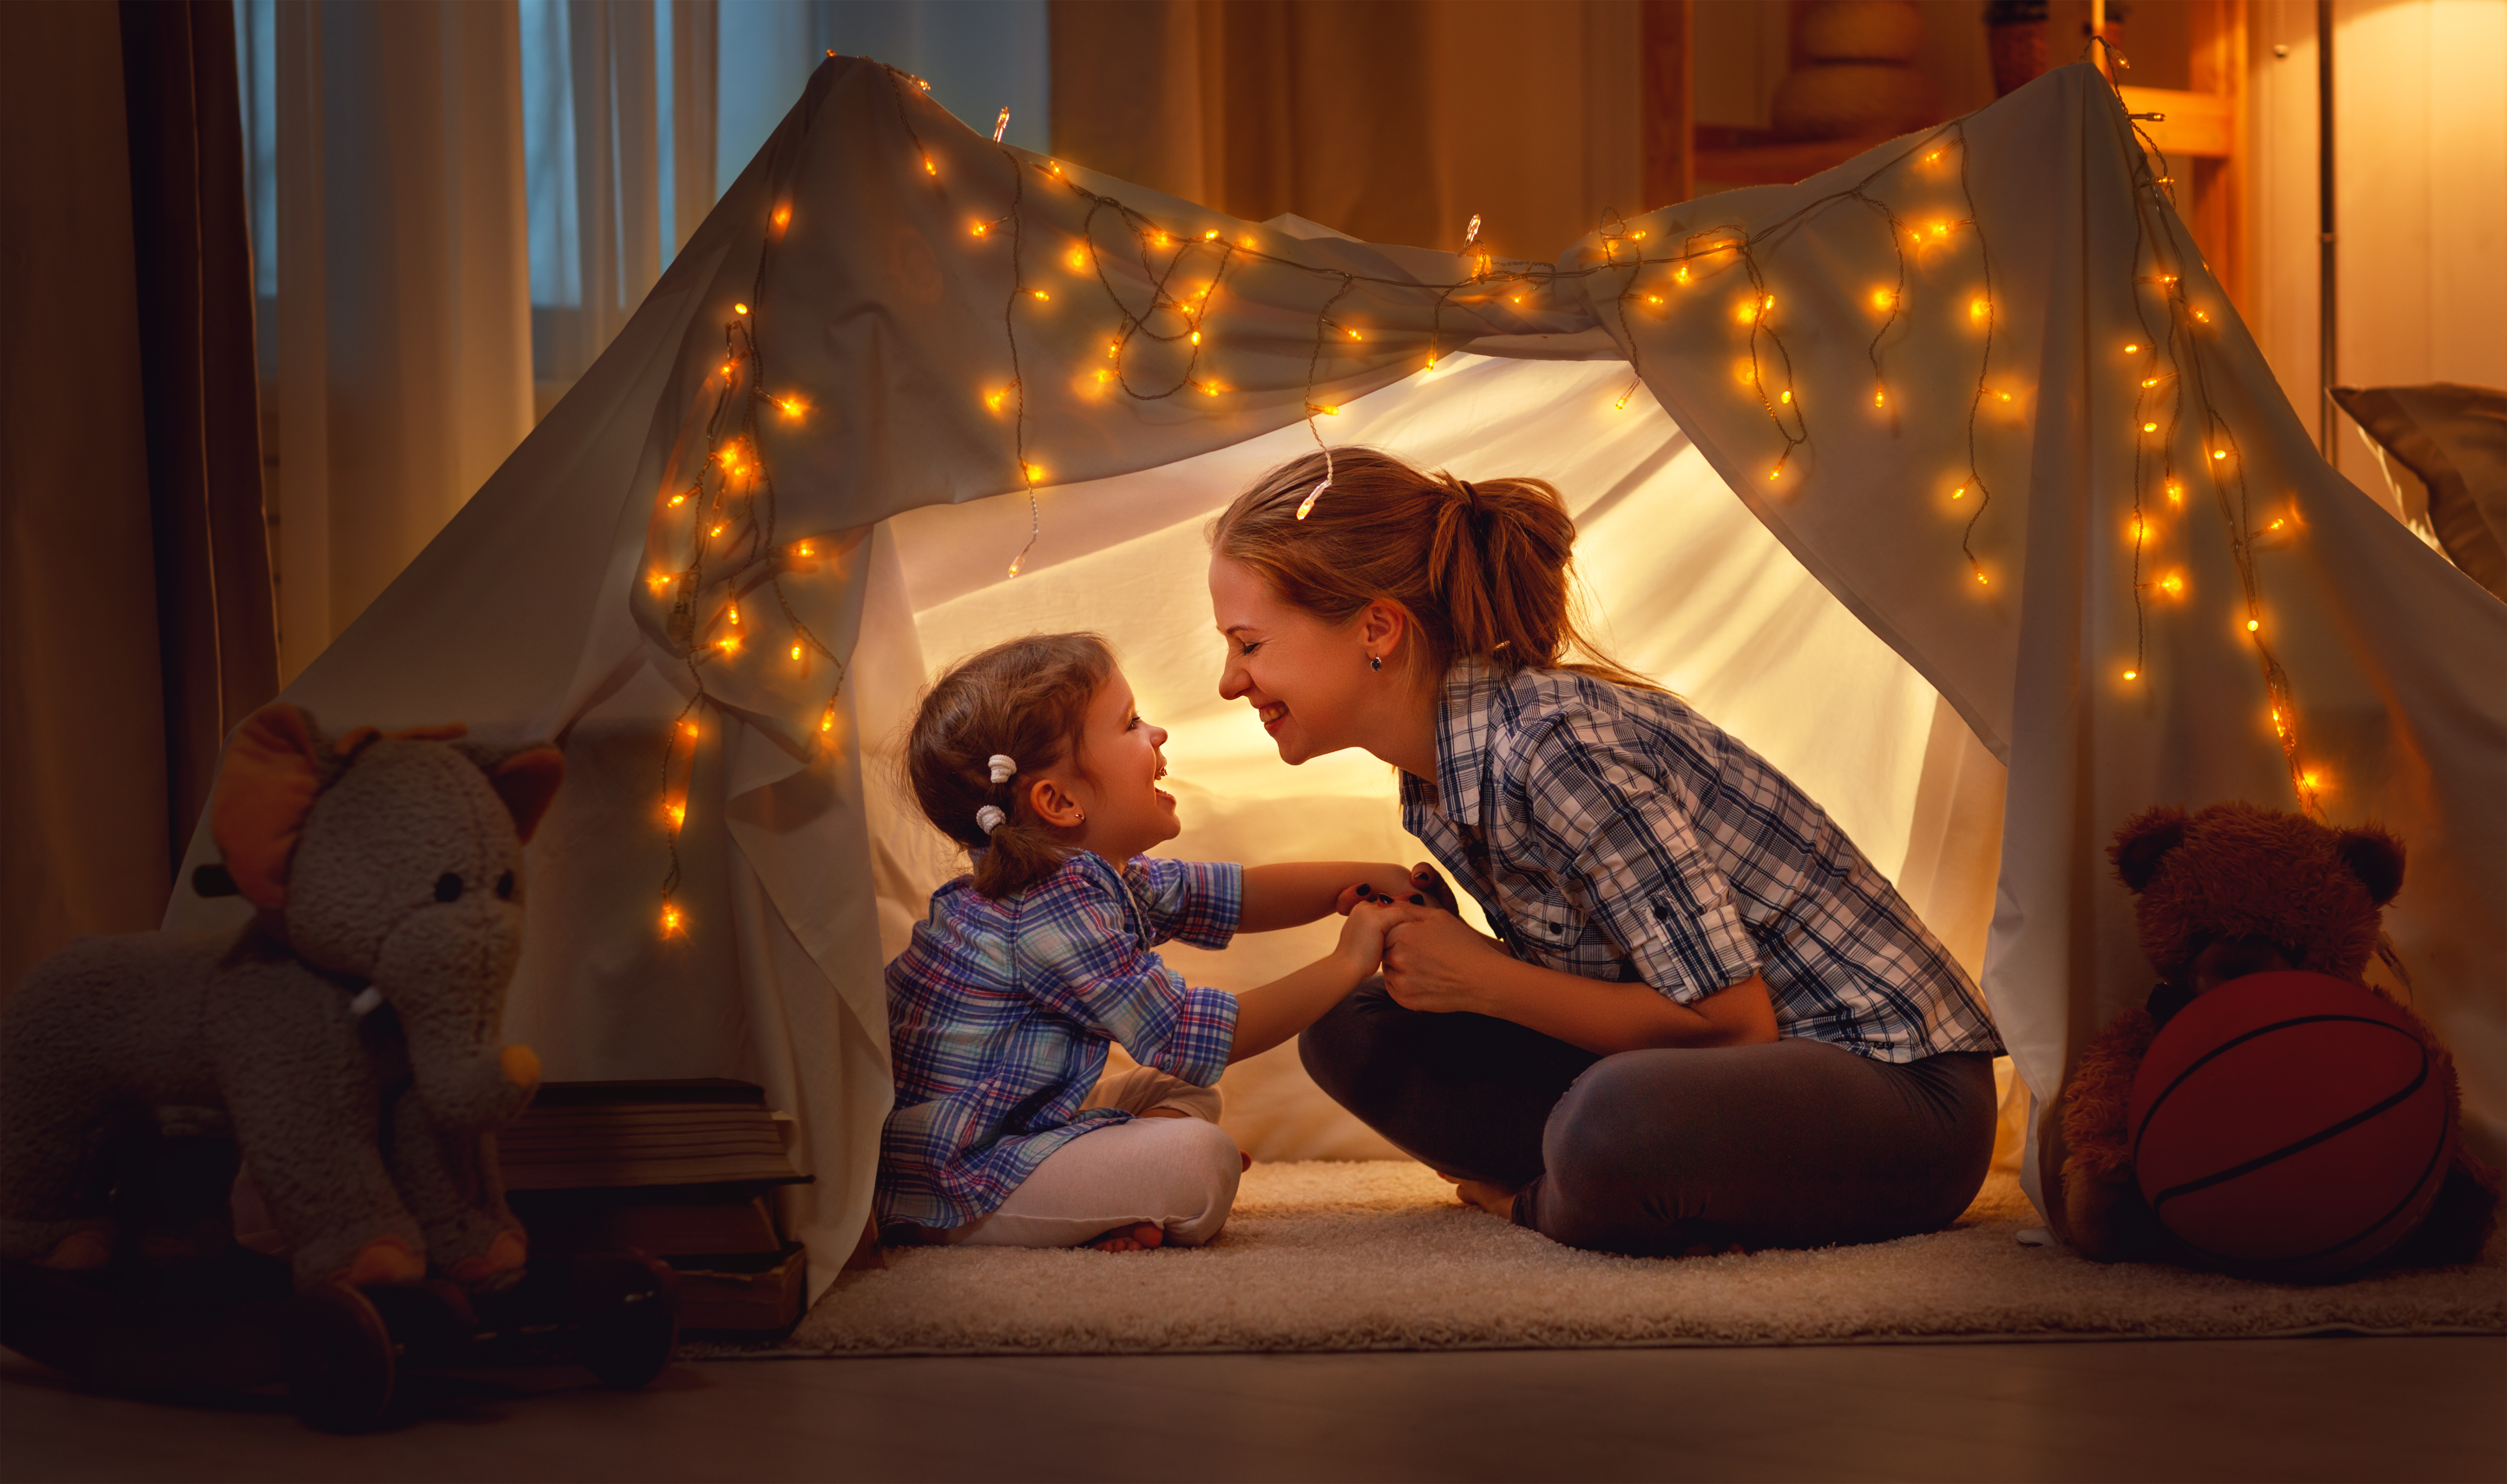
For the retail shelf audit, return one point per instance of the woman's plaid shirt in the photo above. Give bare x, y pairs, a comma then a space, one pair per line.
999, 1013
1614, 833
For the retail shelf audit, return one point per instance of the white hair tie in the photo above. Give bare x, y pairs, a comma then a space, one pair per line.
1003, 767
990, 817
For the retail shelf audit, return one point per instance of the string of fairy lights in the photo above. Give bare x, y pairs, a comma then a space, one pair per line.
1177, 276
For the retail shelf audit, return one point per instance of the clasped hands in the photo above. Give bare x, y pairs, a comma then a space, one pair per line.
1432, 959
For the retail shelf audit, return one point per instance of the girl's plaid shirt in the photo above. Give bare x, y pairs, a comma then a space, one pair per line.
998, 1014
1614, 833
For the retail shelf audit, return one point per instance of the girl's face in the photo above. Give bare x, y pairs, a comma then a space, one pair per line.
1308, 681
1115, 786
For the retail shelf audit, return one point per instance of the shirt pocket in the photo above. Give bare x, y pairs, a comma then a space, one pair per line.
1539, 917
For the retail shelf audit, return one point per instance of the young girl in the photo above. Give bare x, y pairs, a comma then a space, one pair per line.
1033, 756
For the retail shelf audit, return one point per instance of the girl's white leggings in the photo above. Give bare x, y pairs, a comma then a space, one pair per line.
1176, 1174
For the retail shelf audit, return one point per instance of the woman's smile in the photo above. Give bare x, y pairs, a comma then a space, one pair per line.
1272, 714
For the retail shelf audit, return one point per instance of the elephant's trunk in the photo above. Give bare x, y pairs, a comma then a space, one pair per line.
445, 978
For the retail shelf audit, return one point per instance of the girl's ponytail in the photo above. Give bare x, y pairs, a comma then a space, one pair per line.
983, 731
1481, 566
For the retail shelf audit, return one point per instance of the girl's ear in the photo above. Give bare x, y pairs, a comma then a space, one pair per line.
1053, 807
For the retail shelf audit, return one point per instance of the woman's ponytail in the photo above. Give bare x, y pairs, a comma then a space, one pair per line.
1481, 566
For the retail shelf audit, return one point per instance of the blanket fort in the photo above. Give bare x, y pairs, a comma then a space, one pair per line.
1975, 381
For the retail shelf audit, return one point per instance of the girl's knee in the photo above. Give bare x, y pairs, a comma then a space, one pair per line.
1200, 1178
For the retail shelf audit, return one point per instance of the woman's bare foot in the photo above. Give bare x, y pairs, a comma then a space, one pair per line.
1138, 1237
1488, 1195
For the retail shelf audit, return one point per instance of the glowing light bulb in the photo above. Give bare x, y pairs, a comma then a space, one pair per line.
992, 399
1196, 337
657, 581
1882, 299
1979, 579
1078, 261
669, 921
1210, 237
2219, 453
1034, 471
782, 216
679, 814
2150, 381
1210, 388
1785, 397
2150, 427
796, 651
1040, 294
1935, 158
687, 729
1959, 494
1880, 398
1979, 309
735, 613
1113, 348
679, 499
1654, 299
2129, 350
979, 229
2173, 584
1328, 412
1776, 471
1105, 377
1353, 335
1680, 275
740, 308
1943, 230
2132, 674
929, 168
717, 530
2175, 492
1768, 303
1640, 238
792, 408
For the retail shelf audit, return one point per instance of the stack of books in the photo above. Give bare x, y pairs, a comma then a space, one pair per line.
683, 1171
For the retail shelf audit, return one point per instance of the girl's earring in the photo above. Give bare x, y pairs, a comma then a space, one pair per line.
1375, 661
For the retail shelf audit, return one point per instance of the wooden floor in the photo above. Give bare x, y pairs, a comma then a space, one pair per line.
2255, 1409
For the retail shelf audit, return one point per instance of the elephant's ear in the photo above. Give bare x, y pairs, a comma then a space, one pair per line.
527, 783
264, 789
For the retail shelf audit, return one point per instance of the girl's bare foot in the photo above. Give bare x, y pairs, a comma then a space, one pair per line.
1138, 1237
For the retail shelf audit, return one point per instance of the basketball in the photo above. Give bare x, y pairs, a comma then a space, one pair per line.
2289, 1125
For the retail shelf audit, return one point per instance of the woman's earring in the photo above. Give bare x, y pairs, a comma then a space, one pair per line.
1375, 661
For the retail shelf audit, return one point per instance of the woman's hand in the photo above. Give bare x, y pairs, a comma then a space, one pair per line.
1420, 885
1361, 937
1436, 962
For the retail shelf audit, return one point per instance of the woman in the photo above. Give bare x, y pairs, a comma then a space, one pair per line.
1707, 1021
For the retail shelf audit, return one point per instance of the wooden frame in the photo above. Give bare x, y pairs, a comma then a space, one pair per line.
2203, 136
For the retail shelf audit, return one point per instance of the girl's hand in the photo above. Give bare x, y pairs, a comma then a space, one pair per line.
1361, 937
1436, 962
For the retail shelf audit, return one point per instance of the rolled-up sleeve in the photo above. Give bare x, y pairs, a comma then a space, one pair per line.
1087, 966
1198, 901
1632, 860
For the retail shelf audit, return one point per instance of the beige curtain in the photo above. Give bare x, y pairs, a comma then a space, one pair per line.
696, 50
134, 578
404, 292
1393, 121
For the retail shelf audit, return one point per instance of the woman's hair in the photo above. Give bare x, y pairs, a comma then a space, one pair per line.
1026, 699
1481, 566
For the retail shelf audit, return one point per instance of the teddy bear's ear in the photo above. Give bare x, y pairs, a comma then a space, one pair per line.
266, 787
528, 782
2143, 840
2375, 857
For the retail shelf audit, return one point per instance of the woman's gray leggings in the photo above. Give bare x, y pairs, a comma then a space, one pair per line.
1795, 1144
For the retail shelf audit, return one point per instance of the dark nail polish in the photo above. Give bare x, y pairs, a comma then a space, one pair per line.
1416, 900
1366, 889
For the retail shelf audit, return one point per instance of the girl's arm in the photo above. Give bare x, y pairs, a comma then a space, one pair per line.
1268, 1015
1436, 962
1300, 891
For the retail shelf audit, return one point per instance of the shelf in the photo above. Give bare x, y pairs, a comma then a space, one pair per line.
1732, 156
2198, 125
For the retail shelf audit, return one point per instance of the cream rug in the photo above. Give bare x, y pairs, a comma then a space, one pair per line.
1377, 1255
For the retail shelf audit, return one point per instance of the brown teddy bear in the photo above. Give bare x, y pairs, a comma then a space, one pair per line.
347, 1033
2232, 891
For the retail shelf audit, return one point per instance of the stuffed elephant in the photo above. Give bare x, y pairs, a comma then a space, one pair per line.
349, 1033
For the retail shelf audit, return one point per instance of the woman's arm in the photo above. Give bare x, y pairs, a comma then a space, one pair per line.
1300, 891
1436, 962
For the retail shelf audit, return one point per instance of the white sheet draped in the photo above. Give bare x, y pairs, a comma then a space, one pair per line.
533, 611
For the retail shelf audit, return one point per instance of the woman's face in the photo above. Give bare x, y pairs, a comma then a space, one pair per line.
1308, 681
